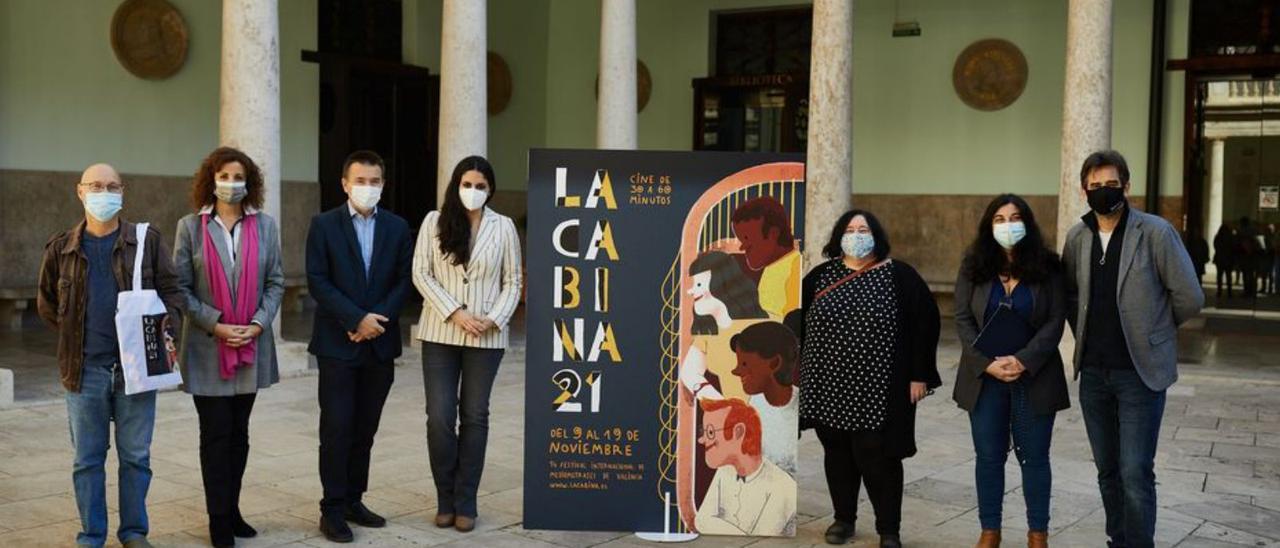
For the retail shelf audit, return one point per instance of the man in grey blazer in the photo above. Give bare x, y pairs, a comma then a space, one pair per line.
1130, 284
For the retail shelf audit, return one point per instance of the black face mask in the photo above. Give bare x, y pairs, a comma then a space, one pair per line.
1106, 200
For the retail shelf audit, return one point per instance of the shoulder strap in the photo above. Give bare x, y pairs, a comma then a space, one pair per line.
847, 279
141, 231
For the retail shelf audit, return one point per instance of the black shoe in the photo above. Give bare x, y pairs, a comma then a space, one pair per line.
335, 529
839, 533
890, 541
241, 529
220, 534
361, 515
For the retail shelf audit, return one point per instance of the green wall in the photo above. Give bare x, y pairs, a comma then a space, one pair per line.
65, 102
911, 133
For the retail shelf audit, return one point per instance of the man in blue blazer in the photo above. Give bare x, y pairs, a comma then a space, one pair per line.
358, 266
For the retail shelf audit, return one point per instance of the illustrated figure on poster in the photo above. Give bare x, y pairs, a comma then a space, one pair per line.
749, 494
725, 302
763, 229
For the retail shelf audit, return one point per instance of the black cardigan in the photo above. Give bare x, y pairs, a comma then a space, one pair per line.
1047, 384
917, 350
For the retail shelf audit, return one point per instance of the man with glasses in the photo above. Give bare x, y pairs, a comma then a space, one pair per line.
749, 495
358, 263
82, 271
1130, 284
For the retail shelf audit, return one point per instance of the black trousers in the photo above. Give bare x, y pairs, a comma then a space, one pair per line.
351, 397
224, 450
852, 458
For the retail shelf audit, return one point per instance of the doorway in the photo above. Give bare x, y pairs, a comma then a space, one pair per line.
1237, 151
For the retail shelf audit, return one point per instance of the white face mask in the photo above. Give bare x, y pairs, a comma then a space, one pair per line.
365, 196
231, 192
472, 198
1009, 234
857, 245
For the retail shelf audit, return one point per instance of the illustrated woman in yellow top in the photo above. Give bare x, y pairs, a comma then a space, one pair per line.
725, 302
763, 228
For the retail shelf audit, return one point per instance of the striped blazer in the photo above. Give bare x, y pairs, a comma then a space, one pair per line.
488, 285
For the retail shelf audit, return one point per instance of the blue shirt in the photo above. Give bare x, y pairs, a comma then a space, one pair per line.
101, 348
1021, 300
364, 233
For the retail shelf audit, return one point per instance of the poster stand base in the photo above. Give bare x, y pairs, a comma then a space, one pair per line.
667, 537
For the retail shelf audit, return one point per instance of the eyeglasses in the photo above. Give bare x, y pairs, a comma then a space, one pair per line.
96, 186
1109, 184
709, 432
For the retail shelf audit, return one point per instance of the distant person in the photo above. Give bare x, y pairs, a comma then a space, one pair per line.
81, 273
1198, 249
1247, 260
1224, 256
1130, 284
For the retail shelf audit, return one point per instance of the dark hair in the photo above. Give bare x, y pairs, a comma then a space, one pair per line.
880, 251
730, 286
366, 157
769, 210
1032, 260
205, 178
453, 228
1104, 158
770, 340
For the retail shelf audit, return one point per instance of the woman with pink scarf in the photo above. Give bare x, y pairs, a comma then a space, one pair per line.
228, 259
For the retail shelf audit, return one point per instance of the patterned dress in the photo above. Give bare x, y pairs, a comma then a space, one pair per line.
851, 336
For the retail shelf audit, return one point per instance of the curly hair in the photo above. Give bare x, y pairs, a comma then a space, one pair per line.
204, 182
1032, 260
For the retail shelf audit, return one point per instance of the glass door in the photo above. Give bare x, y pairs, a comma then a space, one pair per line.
1238, 145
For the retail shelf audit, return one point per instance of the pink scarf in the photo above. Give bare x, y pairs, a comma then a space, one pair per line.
240, 311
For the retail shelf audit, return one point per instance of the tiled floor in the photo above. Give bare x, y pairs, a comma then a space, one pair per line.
1218, 467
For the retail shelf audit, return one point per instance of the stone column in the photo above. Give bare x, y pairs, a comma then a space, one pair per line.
1086, 102
1214, 217
829, 187
249, 96
616, 105
464, 116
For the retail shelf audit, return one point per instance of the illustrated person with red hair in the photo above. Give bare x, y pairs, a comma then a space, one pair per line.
749, 495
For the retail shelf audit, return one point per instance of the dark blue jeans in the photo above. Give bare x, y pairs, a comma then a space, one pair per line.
1002, 412
90, 413
458, 381
1118, 406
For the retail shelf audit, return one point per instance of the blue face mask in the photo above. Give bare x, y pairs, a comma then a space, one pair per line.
857, 245
1008, 234
103, 206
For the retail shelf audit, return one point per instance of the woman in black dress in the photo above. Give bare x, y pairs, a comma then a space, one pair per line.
869, 355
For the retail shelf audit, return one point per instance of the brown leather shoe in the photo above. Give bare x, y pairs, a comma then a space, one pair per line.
990, 539
444, 520
1037, 539
464, 524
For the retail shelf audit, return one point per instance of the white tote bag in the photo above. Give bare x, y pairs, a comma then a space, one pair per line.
148, 354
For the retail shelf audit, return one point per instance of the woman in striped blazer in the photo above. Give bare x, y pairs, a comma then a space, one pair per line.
467, 267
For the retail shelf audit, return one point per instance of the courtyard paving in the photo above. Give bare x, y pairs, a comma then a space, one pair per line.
1218, 467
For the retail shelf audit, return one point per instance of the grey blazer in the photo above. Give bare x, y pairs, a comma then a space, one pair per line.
1044, 377
199, 352
1156, 292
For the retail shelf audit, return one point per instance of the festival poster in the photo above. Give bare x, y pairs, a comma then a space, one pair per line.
660, 365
